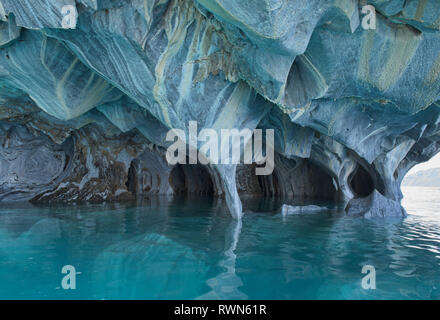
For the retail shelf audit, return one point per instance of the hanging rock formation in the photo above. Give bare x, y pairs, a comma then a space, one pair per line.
84, 112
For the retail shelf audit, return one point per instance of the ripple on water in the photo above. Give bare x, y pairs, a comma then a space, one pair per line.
192, 249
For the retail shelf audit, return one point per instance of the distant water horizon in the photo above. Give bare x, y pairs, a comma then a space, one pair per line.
423, 178
422, 201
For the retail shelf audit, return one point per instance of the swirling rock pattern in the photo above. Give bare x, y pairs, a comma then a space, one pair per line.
84, 112
28, 164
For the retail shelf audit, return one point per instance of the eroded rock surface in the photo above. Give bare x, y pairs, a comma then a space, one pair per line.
375, 206
84, 112
298, 210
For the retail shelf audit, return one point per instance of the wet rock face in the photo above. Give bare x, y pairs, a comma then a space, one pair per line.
84, 112
29, 164
375, 206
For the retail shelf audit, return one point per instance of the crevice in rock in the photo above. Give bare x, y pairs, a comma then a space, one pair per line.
303, 83
132, 177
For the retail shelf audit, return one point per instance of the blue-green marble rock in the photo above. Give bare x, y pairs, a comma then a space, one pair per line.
84, 112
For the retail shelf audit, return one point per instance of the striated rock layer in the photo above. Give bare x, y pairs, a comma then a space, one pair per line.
84, 112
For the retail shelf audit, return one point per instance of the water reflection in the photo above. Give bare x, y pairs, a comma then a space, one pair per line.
226, 284
190, 249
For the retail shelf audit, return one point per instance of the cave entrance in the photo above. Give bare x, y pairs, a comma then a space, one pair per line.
423, 174
132, 177
310, 181
291, 178
249, 184
361, 183
191, 180
420, 185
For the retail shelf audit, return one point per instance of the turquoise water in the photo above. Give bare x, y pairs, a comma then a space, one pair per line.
191, 249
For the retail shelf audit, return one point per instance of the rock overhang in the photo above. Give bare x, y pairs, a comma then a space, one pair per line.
345, 99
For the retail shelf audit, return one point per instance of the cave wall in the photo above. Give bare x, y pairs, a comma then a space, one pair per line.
84, 112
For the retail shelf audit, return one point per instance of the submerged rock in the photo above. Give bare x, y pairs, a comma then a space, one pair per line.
288, 210
152, 259
375, 206
84, 112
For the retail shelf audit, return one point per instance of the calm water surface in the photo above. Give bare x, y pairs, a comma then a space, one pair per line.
191, 249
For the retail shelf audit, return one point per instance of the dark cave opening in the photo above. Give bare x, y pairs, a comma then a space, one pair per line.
294, 179
311, 181
191, 180
249, 184
361, 183
132, 181
269, 185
